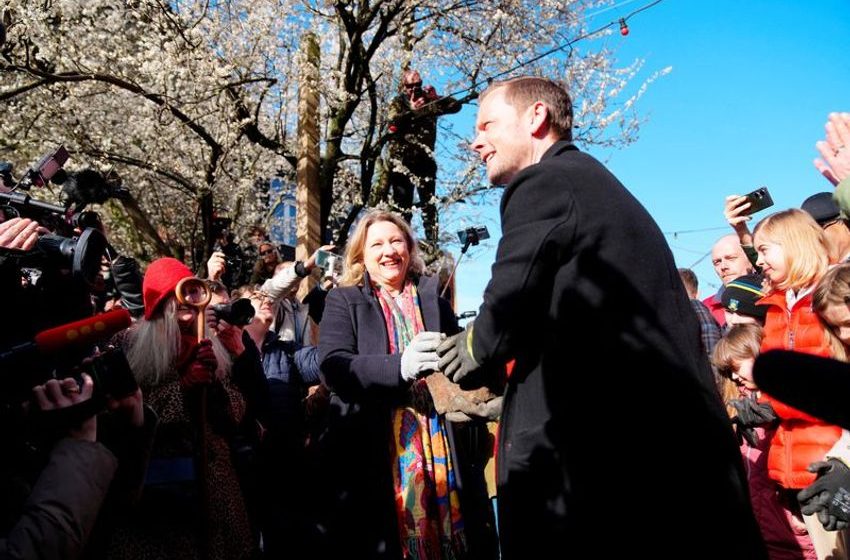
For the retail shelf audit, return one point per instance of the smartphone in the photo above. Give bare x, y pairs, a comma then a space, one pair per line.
759, 199
472, 235
322, 257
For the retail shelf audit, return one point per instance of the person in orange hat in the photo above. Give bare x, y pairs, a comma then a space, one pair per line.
181, 515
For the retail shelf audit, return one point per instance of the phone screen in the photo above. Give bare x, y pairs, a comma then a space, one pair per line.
322, 258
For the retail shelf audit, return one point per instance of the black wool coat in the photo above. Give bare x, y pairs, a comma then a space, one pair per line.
358, 516
636, 439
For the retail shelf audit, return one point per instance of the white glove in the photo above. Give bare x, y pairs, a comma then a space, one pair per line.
420, 355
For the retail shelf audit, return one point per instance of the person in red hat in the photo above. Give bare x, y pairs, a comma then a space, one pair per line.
184, 512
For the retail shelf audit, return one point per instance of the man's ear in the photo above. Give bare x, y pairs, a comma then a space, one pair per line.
538, 115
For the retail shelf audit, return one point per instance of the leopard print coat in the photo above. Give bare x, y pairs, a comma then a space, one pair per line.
168, 521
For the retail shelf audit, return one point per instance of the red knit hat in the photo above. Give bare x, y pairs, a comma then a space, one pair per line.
161, 278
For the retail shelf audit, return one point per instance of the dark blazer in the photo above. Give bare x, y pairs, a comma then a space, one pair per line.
584, 275
366, 383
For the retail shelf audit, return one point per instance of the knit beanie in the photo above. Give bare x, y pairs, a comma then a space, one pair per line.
161, 278
741, 294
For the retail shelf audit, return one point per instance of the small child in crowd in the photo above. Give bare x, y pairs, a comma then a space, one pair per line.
777, 513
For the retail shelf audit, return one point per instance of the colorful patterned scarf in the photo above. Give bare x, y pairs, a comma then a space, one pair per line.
426, 497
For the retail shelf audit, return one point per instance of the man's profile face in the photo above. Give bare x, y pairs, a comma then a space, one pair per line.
503, 137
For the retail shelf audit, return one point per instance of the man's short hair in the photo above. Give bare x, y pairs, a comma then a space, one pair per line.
521, 92
689, 279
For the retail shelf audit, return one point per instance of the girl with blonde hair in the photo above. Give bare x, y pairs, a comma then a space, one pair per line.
793, 254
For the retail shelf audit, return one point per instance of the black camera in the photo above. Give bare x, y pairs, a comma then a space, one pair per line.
238, 312
473, 235
233, 262
111, 374
109, 371
81, 254
45, 170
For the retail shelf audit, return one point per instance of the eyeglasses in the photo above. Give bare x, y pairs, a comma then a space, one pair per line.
261, 297
413, 85
266, 252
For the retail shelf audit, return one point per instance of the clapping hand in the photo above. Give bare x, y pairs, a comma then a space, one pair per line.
834, 163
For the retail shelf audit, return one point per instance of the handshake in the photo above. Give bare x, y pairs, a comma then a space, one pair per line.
430, 351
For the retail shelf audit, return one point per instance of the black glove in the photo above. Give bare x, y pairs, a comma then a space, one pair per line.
455, 353
128, 282
829, 495
751, 413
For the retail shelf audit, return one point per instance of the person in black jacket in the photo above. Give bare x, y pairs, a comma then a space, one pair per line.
389, 472
583, 275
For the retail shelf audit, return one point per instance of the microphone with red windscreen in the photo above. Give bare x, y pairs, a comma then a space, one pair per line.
82, 333
69, 337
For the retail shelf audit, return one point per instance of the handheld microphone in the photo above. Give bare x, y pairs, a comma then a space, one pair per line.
72, 336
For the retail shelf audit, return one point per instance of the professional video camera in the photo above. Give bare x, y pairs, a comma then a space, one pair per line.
75, 241
52, 283
66, 351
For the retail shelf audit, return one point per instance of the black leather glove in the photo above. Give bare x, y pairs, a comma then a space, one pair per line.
828, 495
455, 353
751, 413
128, 282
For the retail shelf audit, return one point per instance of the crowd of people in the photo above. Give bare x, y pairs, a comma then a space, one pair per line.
358, 421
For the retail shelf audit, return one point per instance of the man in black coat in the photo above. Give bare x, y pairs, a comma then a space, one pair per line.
583, 275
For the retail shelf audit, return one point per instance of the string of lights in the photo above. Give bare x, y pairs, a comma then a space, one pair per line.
472, 89
621, 22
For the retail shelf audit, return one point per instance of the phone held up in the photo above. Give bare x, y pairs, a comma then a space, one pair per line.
330, 263
759, 200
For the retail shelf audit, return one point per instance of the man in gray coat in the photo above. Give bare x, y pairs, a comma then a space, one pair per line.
583, 275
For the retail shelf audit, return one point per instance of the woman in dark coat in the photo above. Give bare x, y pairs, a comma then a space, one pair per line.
390, 475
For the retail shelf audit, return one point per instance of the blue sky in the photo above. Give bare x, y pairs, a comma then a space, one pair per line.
751, 85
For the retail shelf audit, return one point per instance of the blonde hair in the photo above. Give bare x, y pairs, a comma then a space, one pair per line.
354, 267
833, 290
152, 347
804, 245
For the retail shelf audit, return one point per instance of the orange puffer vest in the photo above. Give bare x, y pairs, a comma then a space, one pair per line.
800, 439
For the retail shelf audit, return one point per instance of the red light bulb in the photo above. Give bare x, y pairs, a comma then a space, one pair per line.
624, 28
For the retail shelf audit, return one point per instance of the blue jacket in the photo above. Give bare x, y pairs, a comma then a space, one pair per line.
289, 363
